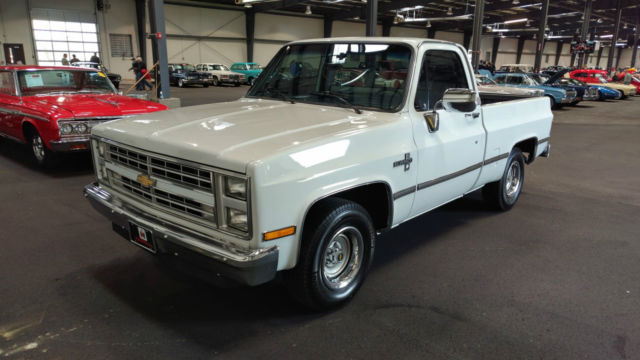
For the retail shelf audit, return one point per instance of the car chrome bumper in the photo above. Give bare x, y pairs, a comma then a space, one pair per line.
568, 100
205, 255
78, 143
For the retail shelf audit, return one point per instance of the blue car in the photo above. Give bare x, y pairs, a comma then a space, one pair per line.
557, 97
583, 92
604, 92
250, 70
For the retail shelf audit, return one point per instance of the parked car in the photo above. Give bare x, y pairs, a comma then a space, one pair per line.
221, 74
591, 76
491, 92
113, 77
558, 97
582, 92
54, 108
250, 70
186, 74
553, 69
299, 176
603, 91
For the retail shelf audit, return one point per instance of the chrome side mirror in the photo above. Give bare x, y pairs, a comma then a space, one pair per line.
459, 96
433, 120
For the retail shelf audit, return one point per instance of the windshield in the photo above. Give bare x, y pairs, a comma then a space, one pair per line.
218, 67
51, 81
254, 67
365, 75
601, 78
184, 67
483, 80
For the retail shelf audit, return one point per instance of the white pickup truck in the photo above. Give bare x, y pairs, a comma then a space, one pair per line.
338, 140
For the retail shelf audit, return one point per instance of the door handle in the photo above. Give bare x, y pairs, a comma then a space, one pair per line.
475, 115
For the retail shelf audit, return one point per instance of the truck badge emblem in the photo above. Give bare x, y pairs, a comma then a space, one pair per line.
406, 162
145, 180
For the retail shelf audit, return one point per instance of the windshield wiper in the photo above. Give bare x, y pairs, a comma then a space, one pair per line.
336, 96
278, 92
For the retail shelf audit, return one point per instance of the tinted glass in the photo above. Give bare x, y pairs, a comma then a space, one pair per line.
364, 75
441, 70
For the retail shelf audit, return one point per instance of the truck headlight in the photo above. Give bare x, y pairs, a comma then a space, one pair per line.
237, 219
235, 187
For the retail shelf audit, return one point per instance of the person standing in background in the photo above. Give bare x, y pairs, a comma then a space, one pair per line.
74, 59
65, 61
95, 59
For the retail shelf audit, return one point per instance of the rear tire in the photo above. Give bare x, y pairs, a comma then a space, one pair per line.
180, 82
503, 194
337, 250
215, 81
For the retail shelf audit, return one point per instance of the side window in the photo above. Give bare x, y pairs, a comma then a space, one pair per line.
500, 79
7, 86
441, 70
515, 80
234, 67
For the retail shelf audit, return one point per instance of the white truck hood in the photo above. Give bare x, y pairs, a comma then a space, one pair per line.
233, 134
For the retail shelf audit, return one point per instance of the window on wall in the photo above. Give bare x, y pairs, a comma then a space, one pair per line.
121, 45
57, 33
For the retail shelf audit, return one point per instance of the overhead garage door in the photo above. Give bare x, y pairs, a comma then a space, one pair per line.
59, 32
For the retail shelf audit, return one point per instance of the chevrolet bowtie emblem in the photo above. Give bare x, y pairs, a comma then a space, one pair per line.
145, 180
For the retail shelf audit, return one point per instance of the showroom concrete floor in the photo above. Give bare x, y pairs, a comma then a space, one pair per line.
555, 278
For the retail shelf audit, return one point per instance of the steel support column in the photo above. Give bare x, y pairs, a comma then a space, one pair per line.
599, 56
495, 48
585, 29
634, 52
386, 27
156, 20
616, 32
478, 14
559, 46
466, 39
618, 58
573, 59
520, 47
431, 33
141, 8
250, 25
328, 26
540, 38
372, 17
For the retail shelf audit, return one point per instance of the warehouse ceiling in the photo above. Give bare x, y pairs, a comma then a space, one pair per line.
521, 16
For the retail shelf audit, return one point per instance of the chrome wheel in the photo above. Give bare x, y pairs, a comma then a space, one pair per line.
512, 183
342, 257
38, 147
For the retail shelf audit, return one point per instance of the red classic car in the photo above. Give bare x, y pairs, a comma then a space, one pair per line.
54, 108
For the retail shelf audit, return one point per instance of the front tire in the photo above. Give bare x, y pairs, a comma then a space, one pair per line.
337, 250
251, 81
41, 154
553, 102
215, 81
503, 194
181, 83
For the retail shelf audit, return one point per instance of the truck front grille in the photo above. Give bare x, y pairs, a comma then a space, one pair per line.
182, 174
163, 198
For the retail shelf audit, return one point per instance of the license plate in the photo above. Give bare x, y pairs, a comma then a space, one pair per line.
142, 237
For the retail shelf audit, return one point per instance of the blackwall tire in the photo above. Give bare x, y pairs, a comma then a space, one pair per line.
503, 195
337, 249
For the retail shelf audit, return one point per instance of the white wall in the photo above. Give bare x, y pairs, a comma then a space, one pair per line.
456, 37
399, 31
15, 28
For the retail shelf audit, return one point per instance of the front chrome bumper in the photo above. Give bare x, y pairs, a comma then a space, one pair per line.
568, 100
78, 143
204, 254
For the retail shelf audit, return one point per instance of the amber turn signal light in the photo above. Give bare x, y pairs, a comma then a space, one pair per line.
276, 234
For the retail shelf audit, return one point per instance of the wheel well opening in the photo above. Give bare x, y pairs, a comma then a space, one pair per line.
528, 147
375, 198
28, 130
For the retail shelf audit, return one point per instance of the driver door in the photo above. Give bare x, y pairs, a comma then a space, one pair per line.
450, 157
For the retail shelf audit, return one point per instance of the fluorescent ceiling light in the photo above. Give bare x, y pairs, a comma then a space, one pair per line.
516, 21
606, 36
440, 18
